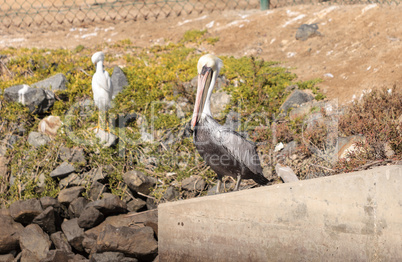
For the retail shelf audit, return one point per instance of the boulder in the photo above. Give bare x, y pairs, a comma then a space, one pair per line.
111, 205
73, 155
134, 242
68, 195
56, 82
7, 258
24, 211
90, 218
296, 98
119, 81
59, 256
171, 194
63, 170
136, 204
306, 31
73, 233
9, 234
34, 243
48, 201
77, 207
286, 173
36, 99
47, 220
60, 241
37, 139
193, 183
138, 219
96, 190
111, 257
138, 181
49, 125
219, 101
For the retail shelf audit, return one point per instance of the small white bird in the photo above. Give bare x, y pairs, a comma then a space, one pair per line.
101, 84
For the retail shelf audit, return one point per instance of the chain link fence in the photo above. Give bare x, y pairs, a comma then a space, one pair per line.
25, 13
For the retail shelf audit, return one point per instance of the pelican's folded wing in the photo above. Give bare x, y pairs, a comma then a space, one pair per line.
241, 149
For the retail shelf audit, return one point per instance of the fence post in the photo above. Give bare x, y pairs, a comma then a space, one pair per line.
264, 4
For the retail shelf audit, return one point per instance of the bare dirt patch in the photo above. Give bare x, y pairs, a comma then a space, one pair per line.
359, 49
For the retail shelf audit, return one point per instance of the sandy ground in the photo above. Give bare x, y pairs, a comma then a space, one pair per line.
360, 46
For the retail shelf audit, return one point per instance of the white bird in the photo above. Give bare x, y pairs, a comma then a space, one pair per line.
101, 84
21, 93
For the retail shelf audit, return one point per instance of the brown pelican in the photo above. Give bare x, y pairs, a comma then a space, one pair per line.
101, 85
224, 150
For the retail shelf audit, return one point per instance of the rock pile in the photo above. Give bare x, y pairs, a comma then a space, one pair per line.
73, 228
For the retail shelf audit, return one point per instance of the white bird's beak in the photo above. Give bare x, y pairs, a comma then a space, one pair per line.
204, 82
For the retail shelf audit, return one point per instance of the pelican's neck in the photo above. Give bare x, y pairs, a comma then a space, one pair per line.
99, 66
207, 107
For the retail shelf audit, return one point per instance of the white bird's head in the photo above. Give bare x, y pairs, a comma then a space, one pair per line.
97, 57
208, 68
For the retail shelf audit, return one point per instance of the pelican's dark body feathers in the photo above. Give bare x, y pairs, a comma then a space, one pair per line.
226, 151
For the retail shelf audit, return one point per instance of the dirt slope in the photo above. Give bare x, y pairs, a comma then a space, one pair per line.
359, 48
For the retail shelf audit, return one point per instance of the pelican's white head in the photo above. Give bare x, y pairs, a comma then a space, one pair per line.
208, 68
211, 61
97, 57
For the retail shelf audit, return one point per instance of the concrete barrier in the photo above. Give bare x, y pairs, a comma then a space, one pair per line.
348, 217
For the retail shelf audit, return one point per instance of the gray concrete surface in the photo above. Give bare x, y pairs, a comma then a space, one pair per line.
348, 217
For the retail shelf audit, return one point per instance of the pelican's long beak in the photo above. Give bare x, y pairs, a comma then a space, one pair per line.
204, 82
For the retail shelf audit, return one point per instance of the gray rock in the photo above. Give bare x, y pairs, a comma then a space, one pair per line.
12, 140
89, 243
111, 205
55, 83
136, 204
37, 139
34, 243
286, 173
60, 241
78, 156
63, 170
90, 218
9, 234
106, 139
296, 98
77, 207
74, 180
68, 195
139, 219
46, 220
74, 233
98, 175
119, 80
25, 211
7, 258
219, 101
138, 181
96, 191
193, 183
48, 201
111, 257
134, 242
59, 256
151, 204
171, 194
307, 30
36, 99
